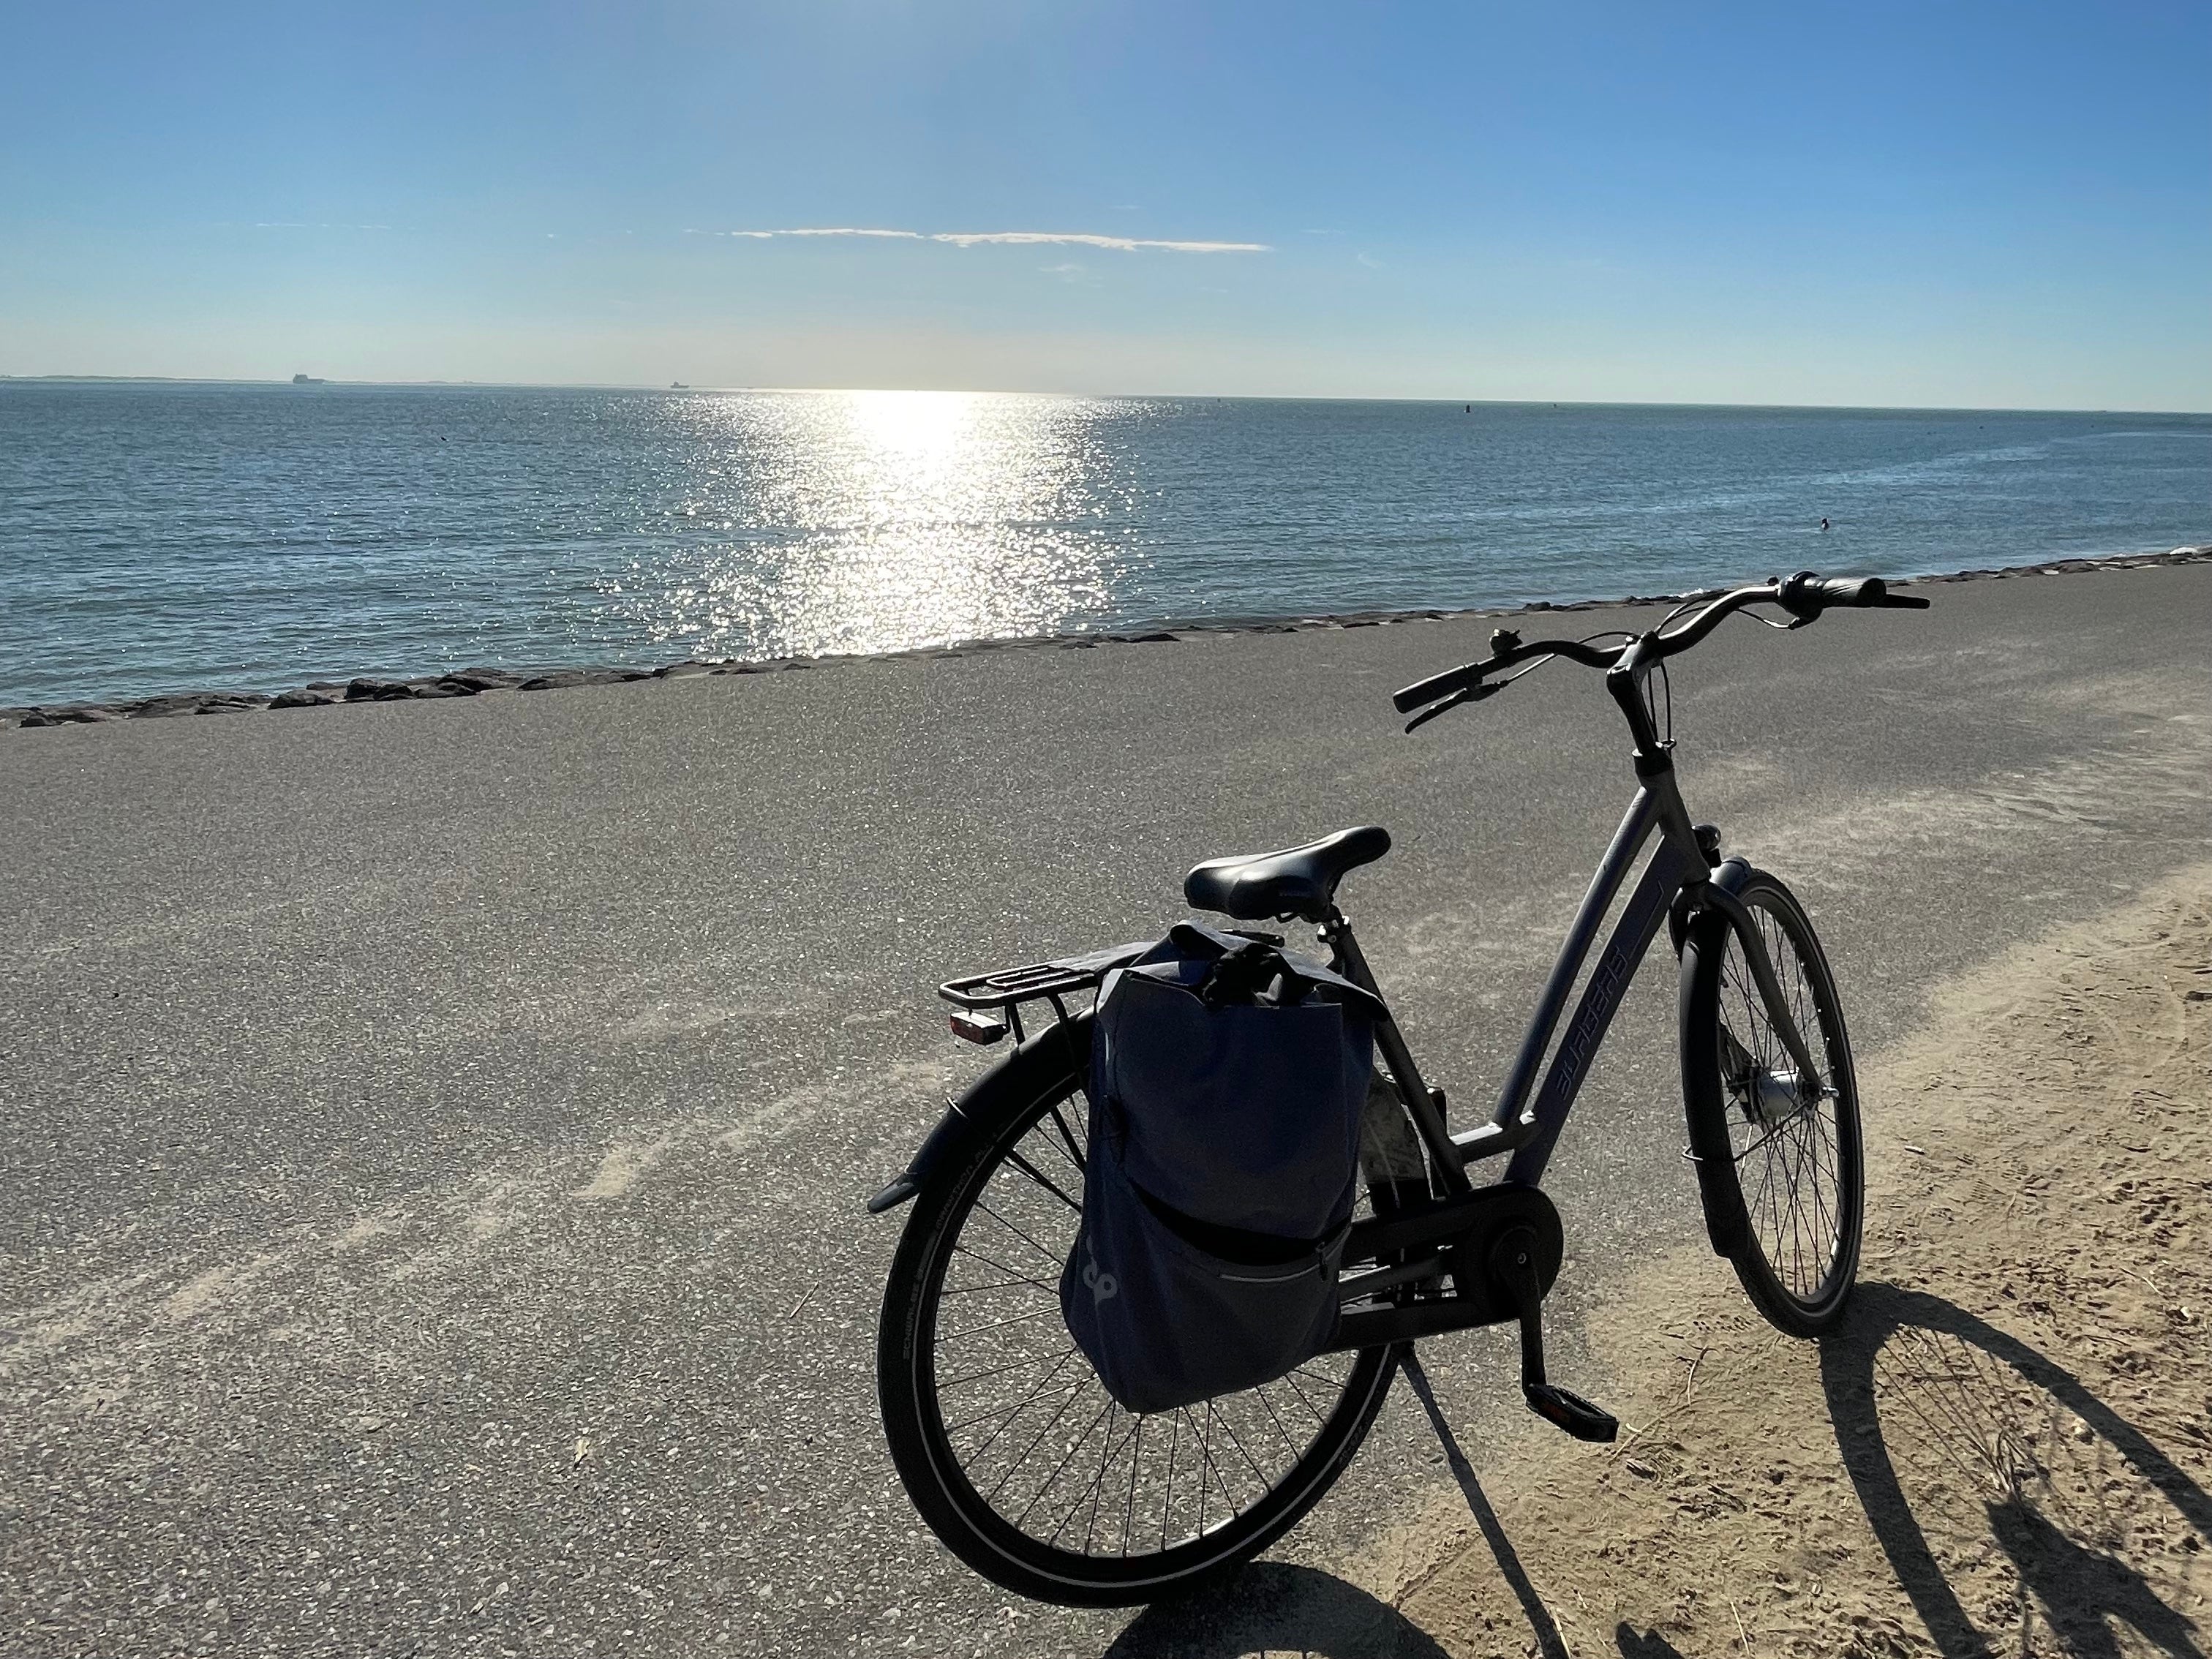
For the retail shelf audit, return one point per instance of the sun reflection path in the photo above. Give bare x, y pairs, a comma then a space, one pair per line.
884, 521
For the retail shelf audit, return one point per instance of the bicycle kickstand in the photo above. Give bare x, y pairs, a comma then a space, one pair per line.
1513, 1269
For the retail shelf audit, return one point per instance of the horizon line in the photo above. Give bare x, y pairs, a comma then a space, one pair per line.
1158, 396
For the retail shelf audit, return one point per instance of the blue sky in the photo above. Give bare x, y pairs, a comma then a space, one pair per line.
1932, 204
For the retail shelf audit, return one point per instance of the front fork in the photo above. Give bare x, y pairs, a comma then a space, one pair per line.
1722, 1199
1719, 893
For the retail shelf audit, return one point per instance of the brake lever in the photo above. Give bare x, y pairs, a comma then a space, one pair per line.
1465, 694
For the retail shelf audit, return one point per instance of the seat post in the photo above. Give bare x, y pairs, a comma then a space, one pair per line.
1335, 932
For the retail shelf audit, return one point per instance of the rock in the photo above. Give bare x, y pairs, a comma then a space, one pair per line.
474, 680
165, 707
684, 670
368, 690
562, 678
80, 714
307, 698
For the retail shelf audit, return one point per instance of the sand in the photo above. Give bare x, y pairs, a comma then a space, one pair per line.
2008, 1449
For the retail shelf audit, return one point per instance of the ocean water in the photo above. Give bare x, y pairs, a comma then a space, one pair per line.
174, 536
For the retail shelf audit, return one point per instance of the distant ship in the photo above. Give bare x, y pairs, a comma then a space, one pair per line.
677, 386
309, 380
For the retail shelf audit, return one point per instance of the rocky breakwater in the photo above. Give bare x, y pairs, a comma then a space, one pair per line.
321, 694
476, 681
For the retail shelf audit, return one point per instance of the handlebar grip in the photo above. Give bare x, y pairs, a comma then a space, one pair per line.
1806, 594
1437, 685
1858, 591
1869, 594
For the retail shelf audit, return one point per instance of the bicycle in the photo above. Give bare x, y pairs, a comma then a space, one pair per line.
1010, 1447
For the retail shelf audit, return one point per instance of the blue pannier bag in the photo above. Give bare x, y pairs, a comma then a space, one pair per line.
1228, 1081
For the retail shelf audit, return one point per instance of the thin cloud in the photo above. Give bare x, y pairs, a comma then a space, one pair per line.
1010, 238
1078, 239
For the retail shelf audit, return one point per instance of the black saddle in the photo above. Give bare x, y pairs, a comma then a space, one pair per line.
1298, 881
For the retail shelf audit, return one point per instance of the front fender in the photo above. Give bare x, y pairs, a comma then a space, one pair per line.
1726, 1221
1041, 1064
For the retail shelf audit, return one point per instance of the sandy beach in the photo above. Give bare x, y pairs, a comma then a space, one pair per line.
437, 1131
2009, 1450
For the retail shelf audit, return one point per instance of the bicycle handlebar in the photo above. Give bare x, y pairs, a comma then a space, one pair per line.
1804, 596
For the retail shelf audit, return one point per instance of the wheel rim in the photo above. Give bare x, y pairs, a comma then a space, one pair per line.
1066, 1473
1791, 1145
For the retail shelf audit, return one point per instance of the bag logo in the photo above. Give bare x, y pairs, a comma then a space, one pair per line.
1102, 1286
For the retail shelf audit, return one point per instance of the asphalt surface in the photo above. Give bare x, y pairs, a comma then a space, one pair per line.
436, 1134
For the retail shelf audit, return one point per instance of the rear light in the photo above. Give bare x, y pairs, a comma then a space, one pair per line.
975, 1027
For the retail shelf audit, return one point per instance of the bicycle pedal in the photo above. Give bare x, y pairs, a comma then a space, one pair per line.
1566, 1410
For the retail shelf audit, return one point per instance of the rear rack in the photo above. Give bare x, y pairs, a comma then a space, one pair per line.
1036, 981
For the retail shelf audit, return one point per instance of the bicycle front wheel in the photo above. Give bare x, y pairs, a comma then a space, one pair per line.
1008, 1444
1779, 1156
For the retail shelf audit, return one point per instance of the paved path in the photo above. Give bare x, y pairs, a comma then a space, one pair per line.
435, 1135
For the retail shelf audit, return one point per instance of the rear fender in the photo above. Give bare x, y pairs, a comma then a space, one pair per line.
1038, 1067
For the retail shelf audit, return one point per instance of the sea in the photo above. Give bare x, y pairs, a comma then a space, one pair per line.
169, 536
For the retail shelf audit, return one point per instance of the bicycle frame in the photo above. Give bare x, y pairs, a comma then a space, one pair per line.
1679, 880
1679, 874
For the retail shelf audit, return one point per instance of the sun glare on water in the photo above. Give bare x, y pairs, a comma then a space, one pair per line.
883, 521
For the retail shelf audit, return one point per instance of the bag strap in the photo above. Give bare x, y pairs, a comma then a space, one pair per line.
1242, 967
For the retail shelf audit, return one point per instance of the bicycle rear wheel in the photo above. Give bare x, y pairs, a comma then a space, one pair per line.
1781, 1161
1008, 1444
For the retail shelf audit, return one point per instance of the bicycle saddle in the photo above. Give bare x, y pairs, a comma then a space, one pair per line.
1298, 881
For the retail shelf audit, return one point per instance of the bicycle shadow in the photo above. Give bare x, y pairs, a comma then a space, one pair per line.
1271, 1607
1549, 1643
1937, 1363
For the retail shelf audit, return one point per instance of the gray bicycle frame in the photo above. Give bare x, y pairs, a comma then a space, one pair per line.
1678, 874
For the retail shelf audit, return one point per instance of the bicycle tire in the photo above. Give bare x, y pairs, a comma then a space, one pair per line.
1729, 1050
1012, 1105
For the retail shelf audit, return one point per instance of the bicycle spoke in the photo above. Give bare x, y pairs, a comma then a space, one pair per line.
1049, 1256
998, 1325
1002, 1285
996, 1370
1021, 1405
992, 1262
1073, 1153
1033, 1173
